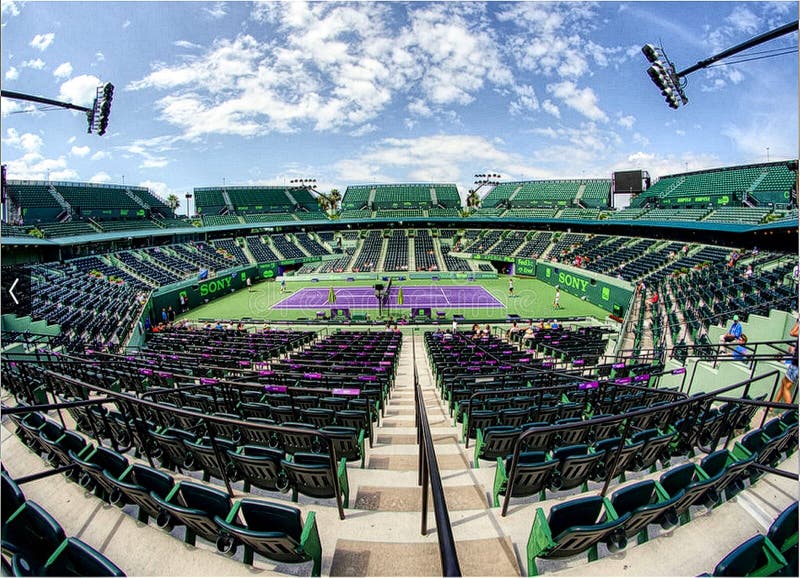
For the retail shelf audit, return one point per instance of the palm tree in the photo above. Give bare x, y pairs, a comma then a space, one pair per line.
333, 198
473, 200
173, 201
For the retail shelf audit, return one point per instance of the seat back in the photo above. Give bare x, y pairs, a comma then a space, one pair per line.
747, 559
32, 533
11, 495
307, 441
259, 466
76, 558
783, 531
311, 475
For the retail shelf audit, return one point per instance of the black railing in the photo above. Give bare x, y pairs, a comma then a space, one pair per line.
130, 402
430, 479
700, 401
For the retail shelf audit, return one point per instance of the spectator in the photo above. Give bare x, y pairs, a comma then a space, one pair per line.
740, 352
455, 326
487, 331
734, 332
749, 271
171, 314
512, 331
790, 379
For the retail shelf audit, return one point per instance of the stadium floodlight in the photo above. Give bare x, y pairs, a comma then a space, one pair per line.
662, 73
97, 115
651, 53
100, 112
671, 83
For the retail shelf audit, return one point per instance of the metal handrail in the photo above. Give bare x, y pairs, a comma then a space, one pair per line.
430, 478
210, 419
697, 399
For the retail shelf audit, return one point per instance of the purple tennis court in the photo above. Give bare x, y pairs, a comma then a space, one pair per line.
414, 296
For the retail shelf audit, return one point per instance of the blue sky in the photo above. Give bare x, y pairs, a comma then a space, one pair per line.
361, 92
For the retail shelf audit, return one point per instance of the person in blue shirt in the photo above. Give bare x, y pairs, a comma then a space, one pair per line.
734, 332
740, 352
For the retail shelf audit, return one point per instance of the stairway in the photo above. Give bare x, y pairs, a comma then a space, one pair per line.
388, 499
228, 203
60, 199
136, 199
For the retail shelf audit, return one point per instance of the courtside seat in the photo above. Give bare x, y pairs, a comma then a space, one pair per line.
31, 534
757, 556
195, 506
136, 485
572, 528
72, 558
311, 475
647, 503
534, 473
274, 531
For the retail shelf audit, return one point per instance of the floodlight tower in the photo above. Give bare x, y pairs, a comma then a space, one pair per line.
310, 185
671, 82
481, 180
97, 115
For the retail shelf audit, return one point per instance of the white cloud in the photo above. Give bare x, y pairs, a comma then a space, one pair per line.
10, 107
101, 177
126, 24
186, 44
549, 107
151, 151
80, 151
12, 74
331, 67
160, 189
27, 142
79, 90
64, 70
100, 155
583, 100
43, 41
526, 100
436, 158
99, 57
36, 64
626, 120
10, 8
217, 10
72, 139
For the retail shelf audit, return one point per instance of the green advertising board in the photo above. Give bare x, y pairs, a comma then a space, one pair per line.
609, 294
525, 267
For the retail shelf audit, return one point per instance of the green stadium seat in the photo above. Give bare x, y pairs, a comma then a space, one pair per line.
275, 531
195, 506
